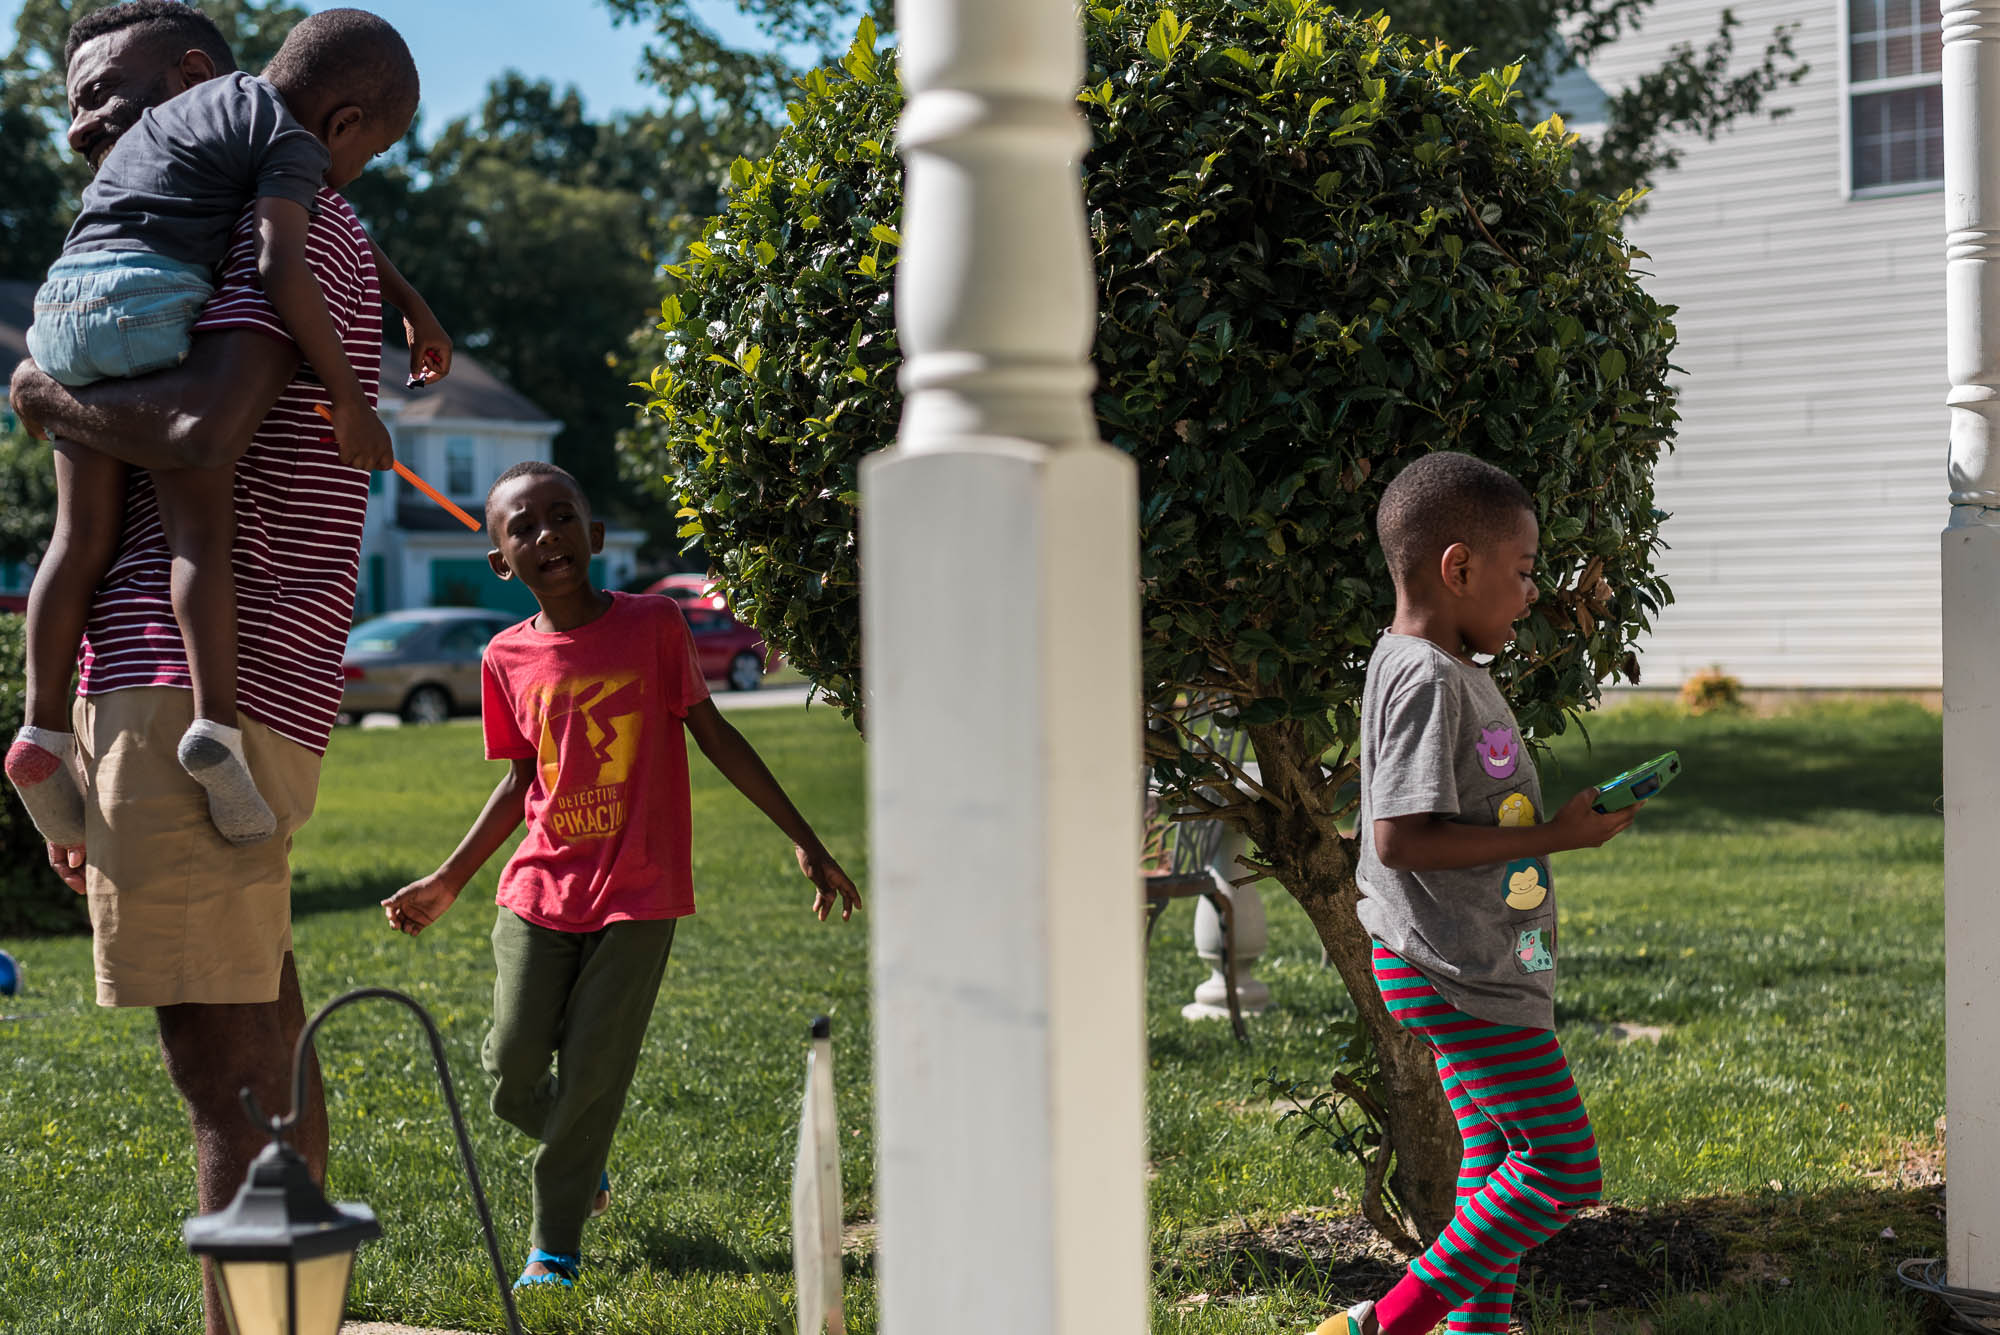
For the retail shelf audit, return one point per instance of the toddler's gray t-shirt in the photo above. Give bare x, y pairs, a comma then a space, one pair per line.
1438, 737
178, 180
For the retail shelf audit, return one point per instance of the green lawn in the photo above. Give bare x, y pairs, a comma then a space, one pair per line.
1778, 914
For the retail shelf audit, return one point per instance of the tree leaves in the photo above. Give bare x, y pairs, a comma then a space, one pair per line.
780, 369
1310, 270
1163, 38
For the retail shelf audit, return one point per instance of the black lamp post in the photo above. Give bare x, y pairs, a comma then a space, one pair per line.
284, 1254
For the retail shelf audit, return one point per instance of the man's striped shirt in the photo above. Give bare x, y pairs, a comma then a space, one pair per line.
299, 516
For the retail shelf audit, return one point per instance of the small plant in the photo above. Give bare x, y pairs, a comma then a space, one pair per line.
1349, 1114
1711, 691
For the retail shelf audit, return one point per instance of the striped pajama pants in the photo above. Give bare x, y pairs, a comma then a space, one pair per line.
1530, 1159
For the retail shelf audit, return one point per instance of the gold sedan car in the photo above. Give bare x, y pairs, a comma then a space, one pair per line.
421, 664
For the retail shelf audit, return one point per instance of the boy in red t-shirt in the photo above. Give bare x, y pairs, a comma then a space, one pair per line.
587, 700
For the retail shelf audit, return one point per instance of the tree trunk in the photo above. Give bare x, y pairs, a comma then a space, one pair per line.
1301, 843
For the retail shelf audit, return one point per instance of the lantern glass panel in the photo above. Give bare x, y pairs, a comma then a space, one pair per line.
253, 1293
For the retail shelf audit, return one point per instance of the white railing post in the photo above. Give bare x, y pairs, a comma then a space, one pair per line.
1971, 607
1000, 604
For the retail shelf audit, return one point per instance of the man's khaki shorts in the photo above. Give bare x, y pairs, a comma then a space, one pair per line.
179, 914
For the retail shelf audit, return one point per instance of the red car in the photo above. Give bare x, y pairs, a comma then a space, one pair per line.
688, 588
727, 649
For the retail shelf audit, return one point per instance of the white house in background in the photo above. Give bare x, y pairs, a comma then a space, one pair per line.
1806, 256
458, 435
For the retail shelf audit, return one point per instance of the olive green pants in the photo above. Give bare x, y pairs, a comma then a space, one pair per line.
584, 999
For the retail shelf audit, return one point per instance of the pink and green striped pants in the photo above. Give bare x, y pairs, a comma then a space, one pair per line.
1530, 1159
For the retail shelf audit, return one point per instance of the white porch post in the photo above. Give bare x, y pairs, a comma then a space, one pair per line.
1971, 592
999, 550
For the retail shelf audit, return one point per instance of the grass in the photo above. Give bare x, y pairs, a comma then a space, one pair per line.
1777, 914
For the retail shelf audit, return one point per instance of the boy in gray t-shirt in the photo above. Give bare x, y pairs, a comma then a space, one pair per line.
138, 266
1456, 889
1439, 741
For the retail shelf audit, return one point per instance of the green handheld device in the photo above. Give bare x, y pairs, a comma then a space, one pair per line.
1638, 783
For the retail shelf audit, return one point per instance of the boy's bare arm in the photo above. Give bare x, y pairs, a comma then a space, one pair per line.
294, 291
200, 414
421, 903
430, 346
1432, 843
739, 763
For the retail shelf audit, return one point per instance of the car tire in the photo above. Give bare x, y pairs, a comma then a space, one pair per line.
746, 672
427, 704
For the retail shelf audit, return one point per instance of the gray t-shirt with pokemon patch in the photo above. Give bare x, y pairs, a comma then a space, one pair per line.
1437, 737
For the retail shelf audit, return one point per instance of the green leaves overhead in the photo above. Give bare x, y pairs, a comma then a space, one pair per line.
1322, 250
779, 367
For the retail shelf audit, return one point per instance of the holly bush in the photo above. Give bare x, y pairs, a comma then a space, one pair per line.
1322, 250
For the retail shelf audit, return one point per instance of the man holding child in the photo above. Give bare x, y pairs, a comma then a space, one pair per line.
198, 925
185, 921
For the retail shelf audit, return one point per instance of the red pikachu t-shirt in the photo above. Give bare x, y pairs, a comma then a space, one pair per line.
601, 709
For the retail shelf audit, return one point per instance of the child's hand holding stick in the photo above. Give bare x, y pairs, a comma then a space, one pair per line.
426, 488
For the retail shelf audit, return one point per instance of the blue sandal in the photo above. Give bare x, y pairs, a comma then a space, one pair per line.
562, 1269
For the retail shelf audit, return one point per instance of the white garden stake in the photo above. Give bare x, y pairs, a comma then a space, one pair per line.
816, 1195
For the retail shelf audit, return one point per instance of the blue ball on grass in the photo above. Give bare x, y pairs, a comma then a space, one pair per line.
10, 975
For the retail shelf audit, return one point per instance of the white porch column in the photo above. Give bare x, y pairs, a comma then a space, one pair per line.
999, 549
1971, 572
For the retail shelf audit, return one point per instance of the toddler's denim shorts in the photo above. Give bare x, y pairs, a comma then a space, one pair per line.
110, 314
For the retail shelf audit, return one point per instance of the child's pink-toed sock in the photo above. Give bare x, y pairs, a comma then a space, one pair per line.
38, 765
1411, 1308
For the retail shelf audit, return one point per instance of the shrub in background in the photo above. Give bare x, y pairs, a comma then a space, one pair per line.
1322, 250
32, 900
1710, 691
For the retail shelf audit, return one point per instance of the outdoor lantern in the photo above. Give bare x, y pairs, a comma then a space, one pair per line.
283, 1253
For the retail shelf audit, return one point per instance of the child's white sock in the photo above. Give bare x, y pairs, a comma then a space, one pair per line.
213, 755
38, 764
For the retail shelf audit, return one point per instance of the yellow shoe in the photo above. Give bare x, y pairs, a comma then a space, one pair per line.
1356, 1320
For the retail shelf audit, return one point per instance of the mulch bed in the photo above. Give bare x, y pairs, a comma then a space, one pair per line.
1610, 1257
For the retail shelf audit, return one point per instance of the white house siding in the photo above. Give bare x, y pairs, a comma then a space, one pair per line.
1807, 484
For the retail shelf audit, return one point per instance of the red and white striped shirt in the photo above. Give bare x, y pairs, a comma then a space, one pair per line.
299, 515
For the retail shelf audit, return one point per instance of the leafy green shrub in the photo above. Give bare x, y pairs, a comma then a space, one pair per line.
1711, 691
1298, 294
31, 898
780, 368
1322, 250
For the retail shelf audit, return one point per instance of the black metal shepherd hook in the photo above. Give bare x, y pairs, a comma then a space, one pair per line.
278, 1126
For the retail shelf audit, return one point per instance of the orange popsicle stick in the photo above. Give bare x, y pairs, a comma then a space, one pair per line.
417, 482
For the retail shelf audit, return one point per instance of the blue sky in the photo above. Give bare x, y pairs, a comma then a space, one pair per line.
459, 48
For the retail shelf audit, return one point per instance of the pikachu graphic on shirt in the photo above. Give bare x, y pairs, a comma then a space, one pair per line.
589, 735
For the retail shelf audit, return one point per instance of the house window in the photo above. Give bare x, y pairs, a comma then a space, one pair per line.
460, 454
1895, 94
